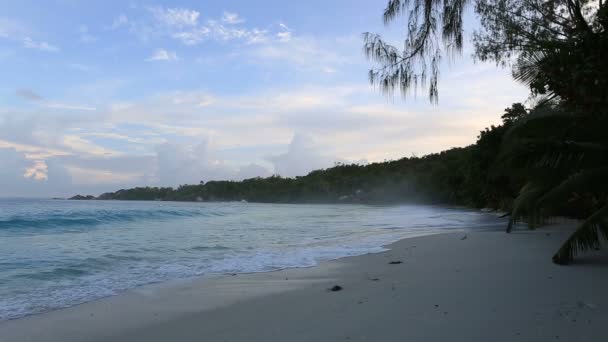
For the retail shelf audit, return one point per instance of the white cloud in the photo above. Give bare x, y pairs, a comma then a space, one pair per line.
29, 43
133, 142
193, 36
226, 29
176, 17
85, 35
78, 144
32, 96
302, 156
20, 176
162, 55
87, 176
28, 94
284, 36
70, 106
252, 170
120, 21
80, 67
307, 53
232, 18
11, 29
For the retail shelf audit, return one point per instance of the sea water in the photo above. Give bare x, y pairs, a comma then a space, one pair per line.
57, 253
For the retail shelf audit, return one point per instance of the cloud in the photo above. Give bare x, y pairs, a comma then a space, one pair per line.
70, 107
120, 21
302, 156
11, 29
29, 43
29, 95
32, 96
162, 55
219, 32
17, 32
188, 164
80, 67
232, 18
252, 170
83, 146
85, 35
193, 36
22, 177
284, 36
176, 17
156, 139
306, 53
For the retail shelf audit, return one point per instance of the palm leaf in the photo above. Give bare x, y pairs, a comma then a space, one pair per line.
544, 153
524, 206
589, 180
529, 67
586, 237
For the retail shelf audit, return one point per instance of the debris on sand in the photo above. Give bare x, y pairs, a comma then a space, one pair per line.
395, 262
335, 288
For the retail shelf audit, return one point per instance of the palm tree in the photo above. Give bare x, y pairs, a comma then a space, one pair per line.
565, 157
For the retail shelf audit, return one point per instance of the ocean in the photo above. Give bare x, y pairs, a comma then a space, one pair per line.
58, 253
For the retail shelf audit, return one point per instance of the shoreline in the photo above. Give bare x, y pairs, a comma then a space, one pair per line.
382, 295
214, 276
177, 282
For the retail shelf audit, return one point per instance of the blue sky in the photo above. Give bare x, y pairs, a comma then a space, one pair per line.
99, 95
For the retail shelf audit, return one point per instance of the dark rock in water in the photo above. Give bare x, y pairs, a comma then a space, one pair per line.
335, 288
395, 262
464, 237
375, 279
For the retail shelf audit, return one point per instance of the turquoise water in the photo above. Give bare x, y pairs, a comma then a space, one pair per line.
60, 253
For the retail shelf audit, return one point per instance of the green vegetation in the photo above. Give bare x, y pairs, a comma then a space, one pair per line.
559, 151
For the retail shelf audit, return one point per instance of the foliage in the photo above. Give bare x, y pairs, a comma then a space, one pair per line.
429, 23
558, 154
555, 46
565, 157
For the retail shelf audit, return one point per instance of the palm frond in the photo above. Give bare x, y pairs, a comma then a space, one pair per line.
554, 154
588, 180
587, 236
528, 67
524, 206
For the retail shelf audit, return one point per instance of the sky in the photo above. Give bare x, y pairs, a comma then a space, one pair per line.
101, 95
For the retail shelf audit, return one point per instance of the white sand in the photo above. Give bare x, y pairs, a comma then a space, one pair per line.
490, 286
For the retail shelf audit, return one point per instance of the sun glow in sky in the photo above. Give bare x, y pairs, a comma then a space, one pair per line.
101, 95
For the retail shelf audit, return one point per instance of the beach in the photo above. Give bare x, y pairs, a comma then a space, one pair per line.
475, 286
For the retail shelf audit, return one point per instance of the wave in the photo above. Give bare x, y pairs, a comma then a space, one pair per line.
95, 218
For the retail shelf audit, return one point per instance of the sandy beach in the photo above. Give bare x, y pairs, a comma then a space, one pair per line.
483, 286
